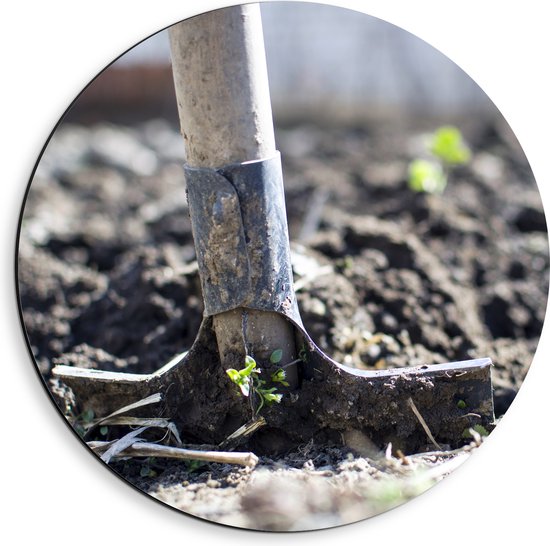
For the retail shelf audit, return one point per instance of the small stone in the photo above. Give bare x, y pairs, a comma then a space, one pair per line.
389, 322
308, 465
374, 351
317, 307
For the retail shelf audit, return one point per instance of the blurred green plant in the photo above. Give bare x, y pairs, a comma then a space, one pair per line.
448, 145
447, 149
426, 176
83, 421
470, 432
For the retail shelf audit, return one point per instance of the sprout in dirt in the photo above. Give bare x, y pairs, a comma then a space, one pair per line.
470, 432
279, 377
448, 145
243, 378
248, 381
426, 176
447, 149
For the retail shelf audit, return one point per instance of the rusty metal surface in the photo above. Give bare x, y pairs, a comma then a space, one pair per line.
240, 230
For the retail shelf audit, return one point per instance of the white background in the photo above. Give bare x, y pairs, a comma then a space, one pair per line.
52, 489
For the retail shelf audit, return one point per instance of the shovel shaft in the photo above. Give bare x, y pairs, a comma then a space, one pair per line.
224, 106
222, 90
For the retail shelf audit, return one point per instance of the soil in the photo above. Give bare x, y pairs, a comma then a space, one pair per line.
385, 278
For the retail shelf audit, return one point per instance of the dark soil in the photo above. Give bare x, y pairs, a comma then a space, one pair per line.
384, 278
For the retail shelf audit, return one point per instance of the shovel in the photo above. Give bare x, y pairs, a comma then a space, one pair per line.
236, 203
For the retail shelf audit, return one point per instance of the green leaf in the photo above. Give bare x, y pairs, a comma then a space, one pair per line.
104, 430
276, 356
267, 391
250, 363
448, 145
279, 377
234, 375
245, 386
241, 379
480, 429
271, 398
193, 465
461, 404
270, 395
426, 176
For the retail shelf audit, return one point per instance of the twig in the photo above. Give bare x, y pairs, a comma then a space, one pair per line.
145, 449
402, 457
242, 432
158, 422
115, 448
423, 423
293, 363
153, 399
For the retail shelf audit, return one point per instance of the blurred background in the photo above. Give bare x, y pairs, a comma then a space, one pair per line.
323, 62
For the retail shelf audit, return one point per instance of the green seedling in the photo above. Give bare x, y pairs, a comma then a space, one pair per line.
448, 145
267, 396
194, 465
279, 377
347, 263
243, 378
480, 429
461, 404
248, 381
426, 176
447, 149
83, 421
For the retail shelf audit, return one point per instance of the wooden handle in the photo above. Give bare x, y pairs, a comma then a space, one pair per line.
220, 76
